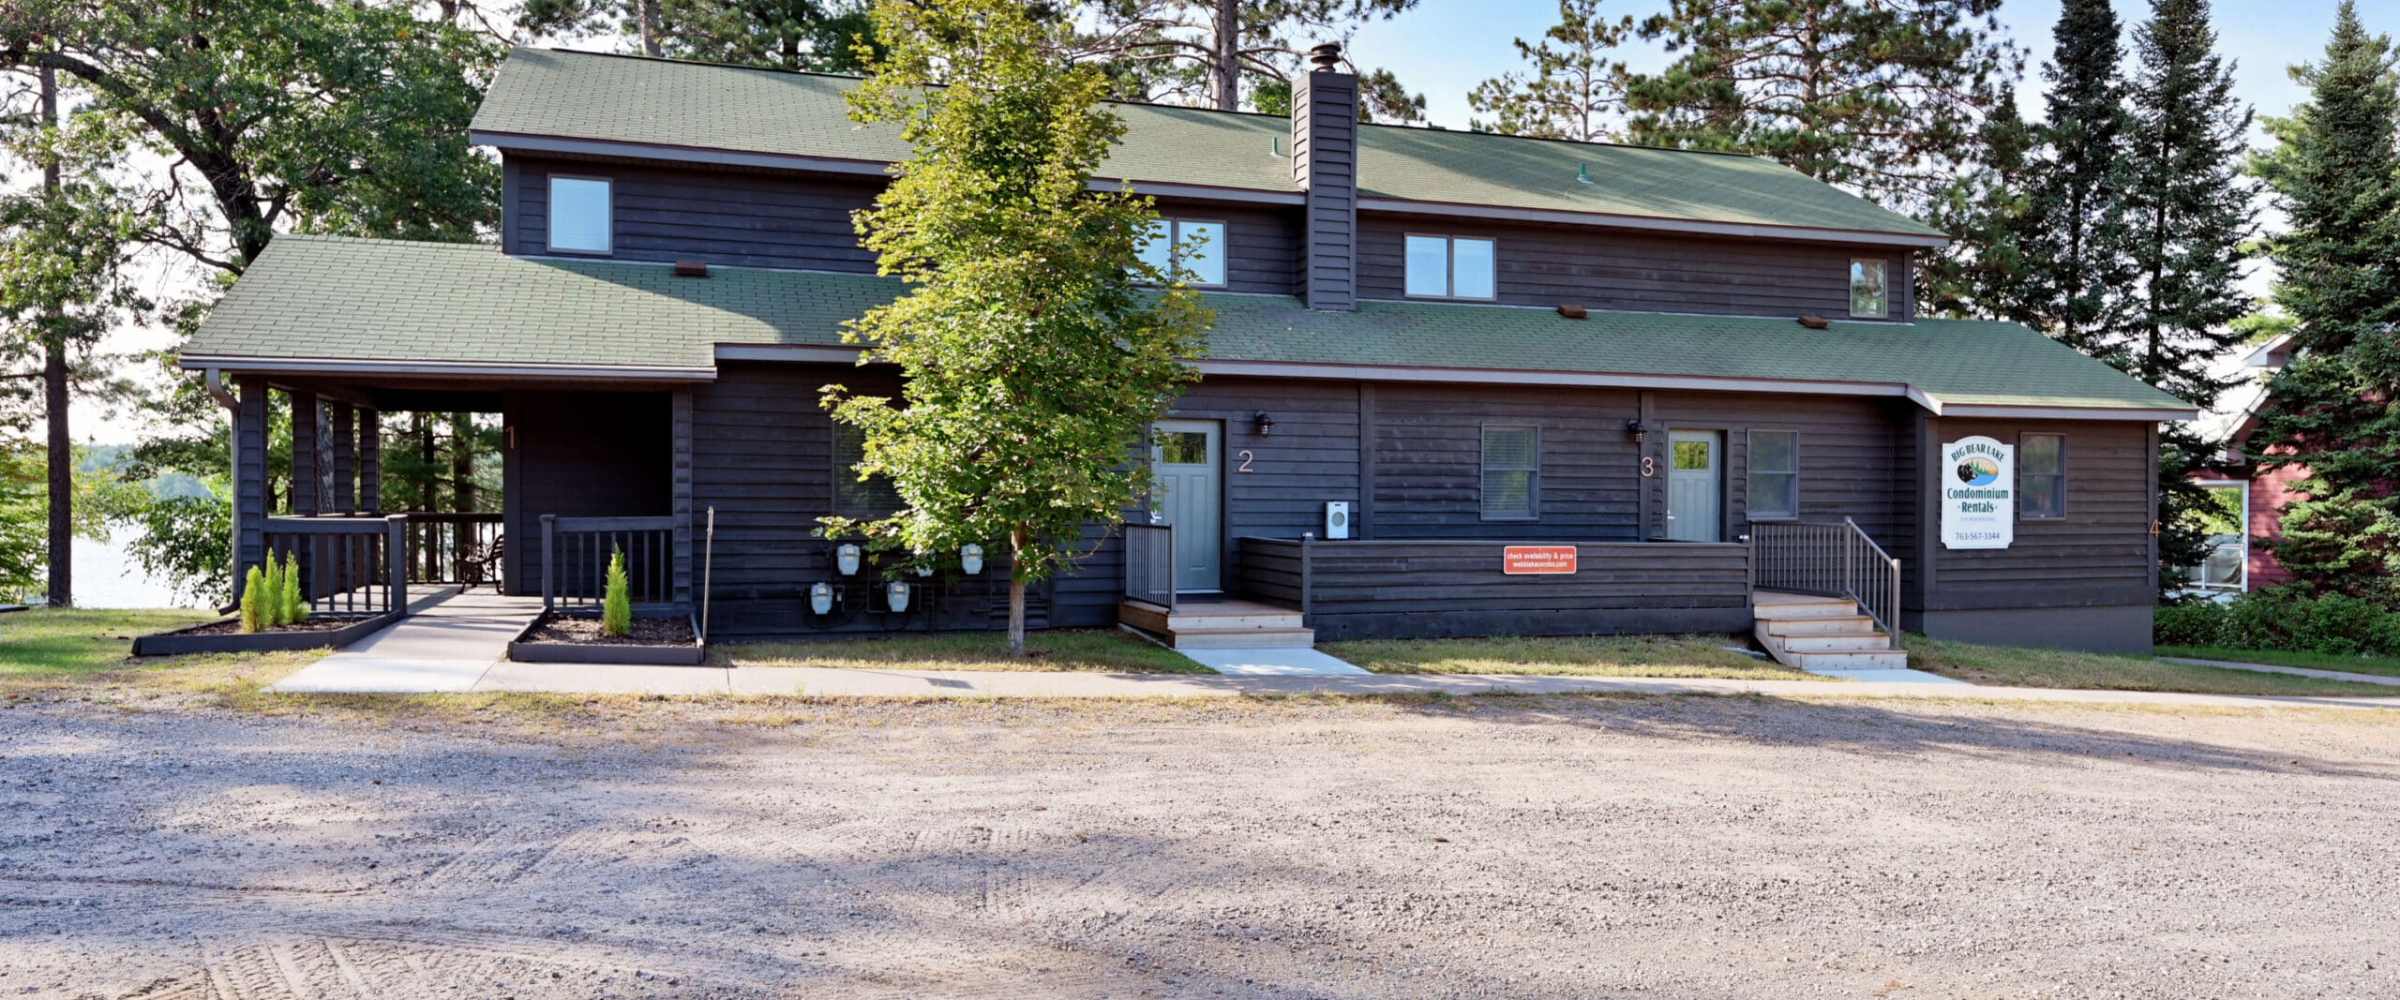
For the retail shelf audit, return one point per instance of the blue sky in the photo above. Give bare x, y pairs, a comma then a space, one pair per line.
1444, 47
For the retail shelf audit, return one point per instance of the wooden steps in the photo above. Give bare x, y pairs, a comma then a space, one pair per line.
1219, 624
1823, 635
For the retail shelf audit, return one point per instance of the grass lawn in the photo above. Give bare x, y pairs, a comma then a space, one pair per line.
2385, 665
2050, 668
1584, 656
51, 648
1094, 650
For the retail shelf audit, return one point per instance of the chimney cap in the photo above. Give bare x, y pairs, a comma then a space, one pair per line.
1325, 56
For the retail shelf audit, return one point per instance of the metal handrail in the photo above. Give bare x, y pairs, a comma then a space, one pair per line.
1833, 560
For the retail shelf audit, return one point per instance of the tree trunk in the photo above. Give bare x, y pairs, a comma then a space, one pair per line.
646, 11
1227, 73
54, 398
428, 493
1016, 593
462, 481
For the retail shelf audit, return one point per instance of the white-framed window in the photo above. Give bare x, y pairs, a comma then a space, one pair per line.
1774, 475
2041, 477
1870, 288
1451, 267
582, 215
2226, 519
1199, 243
1512, 472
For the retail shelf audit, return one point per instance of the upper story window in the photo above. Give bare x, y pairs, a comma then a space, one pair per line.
1512, 472
1446, 267
1774, 475
581, 215
2041, 476
1870, 293
1201, 246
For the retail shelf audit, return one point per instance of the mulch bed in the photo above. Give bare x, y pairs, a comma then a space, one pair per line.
586, 631
317, 623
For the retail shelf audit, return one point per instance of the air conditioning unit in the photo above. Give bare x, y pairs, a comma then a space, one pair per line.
1337, 519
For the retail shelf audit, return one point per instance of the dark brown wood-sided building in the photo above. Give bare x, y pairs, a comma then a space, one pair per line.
1458, 383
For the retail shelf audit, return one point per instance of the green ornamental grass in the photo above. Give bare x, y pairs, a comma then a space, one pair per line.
254, 585
270, 611
295, 606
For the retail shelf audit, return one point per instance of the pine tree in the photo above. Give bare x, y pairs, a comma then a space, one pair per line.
295, 603
1986, 213
1574, 85
616, 604
1884, 101
270, 604
2335, 172
2191, 204
2077, 263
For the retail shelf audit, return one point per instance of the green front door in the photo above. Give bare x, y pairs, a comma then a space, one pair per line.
1187, 493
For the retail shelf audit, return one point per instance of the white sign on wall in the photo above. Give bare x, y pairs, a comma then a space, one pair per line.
1979, 494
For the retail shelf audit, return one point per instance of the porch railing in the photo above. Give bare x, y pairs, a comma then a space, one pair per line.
1831, 560
463, 549
576, 550
1150, 564
349, 566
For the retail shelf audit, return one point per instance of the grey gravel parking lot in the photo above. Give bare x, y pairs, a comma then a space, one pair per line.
1507, 847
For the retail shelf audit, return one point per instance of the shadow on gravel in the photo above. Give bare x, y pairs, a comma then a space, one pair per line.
1767, 721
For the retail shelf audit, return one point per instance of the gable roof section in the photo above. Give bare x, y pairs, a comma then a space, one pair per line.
331, 304
672, 109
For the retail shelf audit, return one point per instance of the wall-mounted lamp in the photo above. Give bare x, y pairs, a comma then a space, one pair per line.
1265, 422
820, 597
1639, 430
845, 558
970, 559
895, 594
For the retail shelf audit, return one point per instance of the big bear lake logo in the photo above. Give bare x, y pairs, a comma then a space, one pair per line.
1978, 471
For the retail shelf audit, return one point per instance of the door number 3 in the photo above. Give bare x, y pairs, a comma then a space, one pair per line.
1247, 458
1649, 467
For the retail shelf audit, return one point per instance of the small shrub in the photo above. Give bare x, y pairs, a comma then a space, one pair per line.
270, 610
254, 600
295, 604
616, 607
2257, 620
2189, 623
2337, 624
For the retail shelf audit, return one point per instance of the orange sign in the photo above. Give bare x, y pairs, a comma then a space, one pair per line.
1538, 560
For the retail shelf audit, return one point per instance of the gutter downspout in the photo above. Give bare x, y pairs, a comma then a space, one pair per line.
213, 380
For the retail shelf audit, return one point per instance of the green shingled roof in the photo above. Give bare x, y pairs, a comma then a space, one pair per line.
588, 96
462, 304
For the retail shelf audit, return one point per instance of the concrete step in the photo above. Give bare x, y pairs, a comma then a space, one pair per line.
1835, 643
1243, 638
1799, 610
1837, 662
1853, 625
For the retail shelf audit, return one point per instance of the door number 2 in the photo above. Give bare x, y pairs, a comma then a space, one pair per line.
1247, 458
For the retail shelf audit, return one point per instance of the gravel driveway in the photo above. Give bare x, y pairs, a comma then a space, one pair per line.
1685, 847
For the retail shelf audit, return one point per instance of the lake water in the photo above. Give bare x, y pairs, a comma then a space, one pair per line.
106, 576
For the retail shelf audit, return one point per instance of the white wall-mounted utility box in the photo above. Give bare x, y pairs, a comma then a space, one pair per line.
1337, 519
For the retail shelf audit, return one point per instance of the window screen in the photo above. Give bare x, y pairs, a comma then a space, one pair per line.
1471, 269
851, 497
1428, 266
579, 214
1203, 245
2042, 475
1774, 474
1511, 472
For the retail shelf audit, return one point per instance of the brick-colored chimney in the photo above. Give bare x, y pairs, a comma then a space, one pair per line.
1325, 166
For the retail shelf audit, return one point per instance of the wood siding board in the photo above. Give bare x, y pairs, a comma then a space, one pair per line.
1390, 588
2099, 555
584, 454
307, 499
251, 497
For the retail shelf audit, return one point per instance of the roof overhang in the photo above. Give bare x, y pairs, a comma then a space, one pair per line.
660, 152
1695, 227
447, 369
1515, 377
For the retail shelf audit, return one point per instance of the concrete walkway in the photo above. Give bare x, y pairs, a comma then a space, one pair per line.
2386, 680
446, 643
1294, 661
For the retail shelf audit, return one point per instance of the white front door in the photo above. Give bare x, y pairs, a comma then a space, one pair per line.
1186, 492
1695, 487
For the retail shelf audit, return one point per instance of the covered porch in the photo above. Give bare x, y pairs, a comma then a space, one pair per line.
586, 468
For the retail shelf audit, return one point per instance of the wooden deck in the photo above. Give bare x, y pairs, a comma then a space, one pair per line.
1218, 623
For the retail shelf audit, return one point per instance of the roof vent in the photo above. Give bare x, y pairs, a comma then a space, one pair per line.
1325, 55
1275, 142
1573, 311
1583, 173
691, 269
1814, 322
